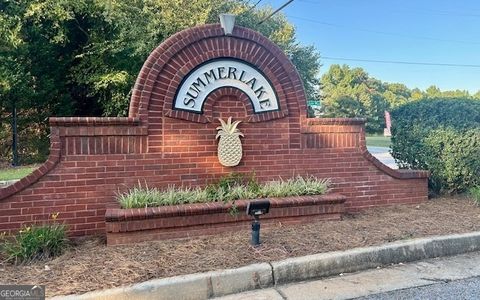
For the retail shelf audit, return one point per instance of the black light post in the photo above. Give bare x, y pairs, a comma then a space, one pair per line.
14, 135
256, 231
256, 209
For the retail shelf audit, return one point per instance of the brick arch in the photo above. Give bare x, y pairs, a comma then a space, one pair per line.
231, 94
222, 93
171, 61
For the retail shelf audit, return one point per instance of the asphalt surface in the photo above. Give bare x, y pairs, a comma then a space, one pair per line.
383, 155
454, 277
465, 289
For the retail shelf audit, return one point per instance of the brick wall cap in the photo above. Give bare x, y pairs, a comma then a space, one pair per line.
335, 121
93, 121
395, 173
36, 174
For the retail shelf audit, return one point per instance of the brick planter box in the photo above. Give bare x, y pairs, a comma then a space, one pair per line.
125, 226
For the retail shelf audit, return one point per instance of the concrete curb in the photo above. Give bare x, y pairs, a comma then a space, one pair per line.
193, 286
334, 263
224, 282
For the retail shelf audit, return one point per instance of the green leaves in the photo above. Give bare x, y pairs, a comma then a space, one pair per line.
351, 93
81, 57
454, 159
440, 135
35, 242
232, 187
475, 194
110, 89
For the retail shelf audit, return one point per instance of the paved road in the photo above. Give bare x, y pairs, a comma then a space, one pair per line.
383, 155
465, 289
454, 277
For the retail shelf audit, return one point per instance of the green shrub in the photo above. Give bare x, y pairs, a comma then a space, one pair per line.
440, 135
475, 194
35, 242
454, 159
230, 188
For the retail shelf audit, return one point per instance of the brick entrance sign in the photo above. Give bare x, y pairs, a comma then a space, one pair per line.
187, 83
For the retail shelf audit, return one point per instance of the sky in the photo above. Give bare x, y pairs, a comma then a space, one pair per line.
424, 31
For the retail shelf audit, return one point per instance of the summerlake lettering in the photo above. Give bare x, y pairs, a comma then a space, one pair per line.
208, 77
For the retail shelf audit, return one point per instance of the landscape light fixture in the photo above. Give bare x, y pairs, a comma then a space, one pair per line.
227, 21
256, 209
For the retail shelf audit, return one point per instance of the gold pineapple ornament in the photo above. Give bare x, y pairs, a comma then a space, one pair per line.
230, 146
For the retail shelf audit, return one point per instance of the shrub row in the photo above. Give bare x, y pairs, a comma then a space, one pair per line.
440, 135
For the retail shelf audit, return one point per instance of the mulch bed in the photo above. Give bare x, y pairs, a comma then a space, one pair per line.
90, 265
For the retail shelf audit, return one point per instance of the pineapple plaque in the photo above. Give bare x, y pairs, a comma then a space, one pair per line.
229, 146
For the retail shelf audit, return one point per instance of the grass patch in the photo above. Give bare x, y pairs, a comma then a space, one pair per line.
230, 188
378, 141
475, 194
13, 173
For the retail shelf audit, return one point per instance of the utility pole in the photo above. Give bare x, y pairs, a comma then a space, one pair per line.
14, 134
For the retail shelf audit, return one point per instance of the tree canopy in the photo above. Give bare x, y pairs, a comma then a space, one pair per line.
351, 92
81, 57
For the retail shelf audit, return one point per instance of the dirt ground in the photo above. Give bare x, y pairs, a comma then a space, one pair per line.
90, 265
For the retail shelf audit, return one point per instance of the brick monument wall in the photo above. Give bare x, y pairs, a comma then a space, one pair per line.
92, 159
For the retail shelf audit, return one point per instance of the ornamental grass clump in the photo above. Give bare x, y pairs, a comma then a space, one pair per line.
147, 197
475, 194
35, 242
228, 189
297, 186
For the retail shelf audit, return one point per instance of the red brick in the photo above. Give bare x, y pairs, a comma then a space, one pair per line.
103, 155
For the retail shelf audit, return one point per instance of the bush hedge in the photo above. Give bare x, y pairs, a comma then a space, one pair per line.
440, 135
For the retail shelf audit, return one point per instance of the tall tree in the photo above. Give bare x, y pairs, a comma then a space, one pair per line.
350, 92
433, 92
81, 57
396, 94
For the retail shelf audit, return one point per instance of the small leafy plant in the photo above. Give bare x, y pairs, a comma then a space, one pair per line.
35, 242
228, 189
475, 194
